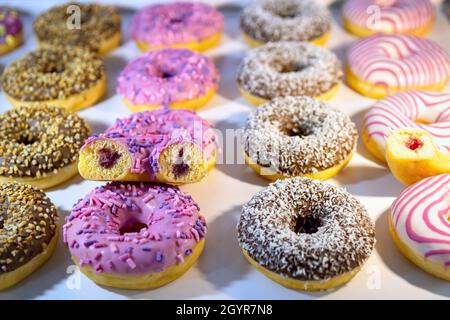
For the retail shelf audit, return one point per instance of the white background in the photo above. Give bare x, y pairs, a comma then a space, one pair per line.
222, 272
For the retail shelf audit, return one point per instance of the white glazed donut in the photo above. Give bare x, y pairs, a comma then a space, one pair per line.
366, 17
429, 111
420, 224
385, 64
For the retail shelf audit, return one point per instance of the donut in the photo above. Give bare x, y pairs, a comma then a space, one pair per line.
285, 20
96, 28
68, 78
175, 78
412, 155
11, 30
39, 145
298, 136
135, 235
306, 234
420, 226
28, 231
189, 25
429, 111
281, 69
165, 145
364, 18
385, 64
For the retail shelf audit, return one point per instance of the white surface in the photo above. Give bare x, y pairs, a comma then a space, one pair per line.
222, 272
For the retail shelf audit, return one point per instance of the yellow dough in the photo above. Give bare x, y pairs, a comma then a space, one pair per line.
438, 270
252, 43
9, 279
12, 42
321, 175
377, 91
409, 166
311, 285
147, 281
72, 103
362, 32
201, 46
90, 169
256, 101
49, 180
192, 104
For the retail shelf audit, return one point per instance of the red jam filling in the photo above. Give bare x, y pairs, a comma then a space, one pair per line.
413, 143
108, 158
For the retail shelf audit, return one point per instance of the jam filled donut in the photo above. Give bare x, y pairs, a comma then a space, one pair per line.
72, 79
28, 231
367, 17
285, 20
429, 111
189, 25
306, 234
382, 65
135, 235
39, 145
91, 26
298, 136
420, 224
288, 69
165, 145
177, 78
11, 27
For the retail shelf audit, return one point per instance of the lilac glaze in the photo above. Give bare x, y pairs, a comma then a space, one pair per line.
174, 227
165, 76
10, 23
147, 134
180, 22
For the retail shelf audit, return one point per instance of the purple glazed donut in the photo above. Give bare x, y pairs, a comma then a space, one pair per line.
190, 25
10, 29
177, 78
135, 235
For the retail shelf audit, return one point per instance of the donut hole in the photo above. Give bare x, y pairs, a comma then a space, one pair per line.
297, 130
286, 11
307, 224
132, 225
167, 74
53, 67
288, 66
26, 139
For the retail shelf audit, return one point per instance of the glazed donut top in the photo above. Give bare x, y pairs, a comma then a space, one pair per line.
10, 24
147, 133
169, 75
28, 222
429, 111
133, 228
289, 69
97, 24
306, 229
52, 74
285, 20
420, 216
392, 16
178, 22
399, 61
39, 140
298, 135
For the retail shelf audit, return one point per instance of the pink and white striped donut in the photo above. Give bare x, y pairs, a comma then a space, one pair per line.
385, 64
426, 110
420, 224
366, 17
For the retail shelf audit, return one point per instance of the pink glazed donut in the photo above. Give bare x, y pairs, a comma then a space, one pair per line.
135, 235
420, 224
176, 78
385, 64
11, 30
426, 110
190, 25
366, 17
164, 145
